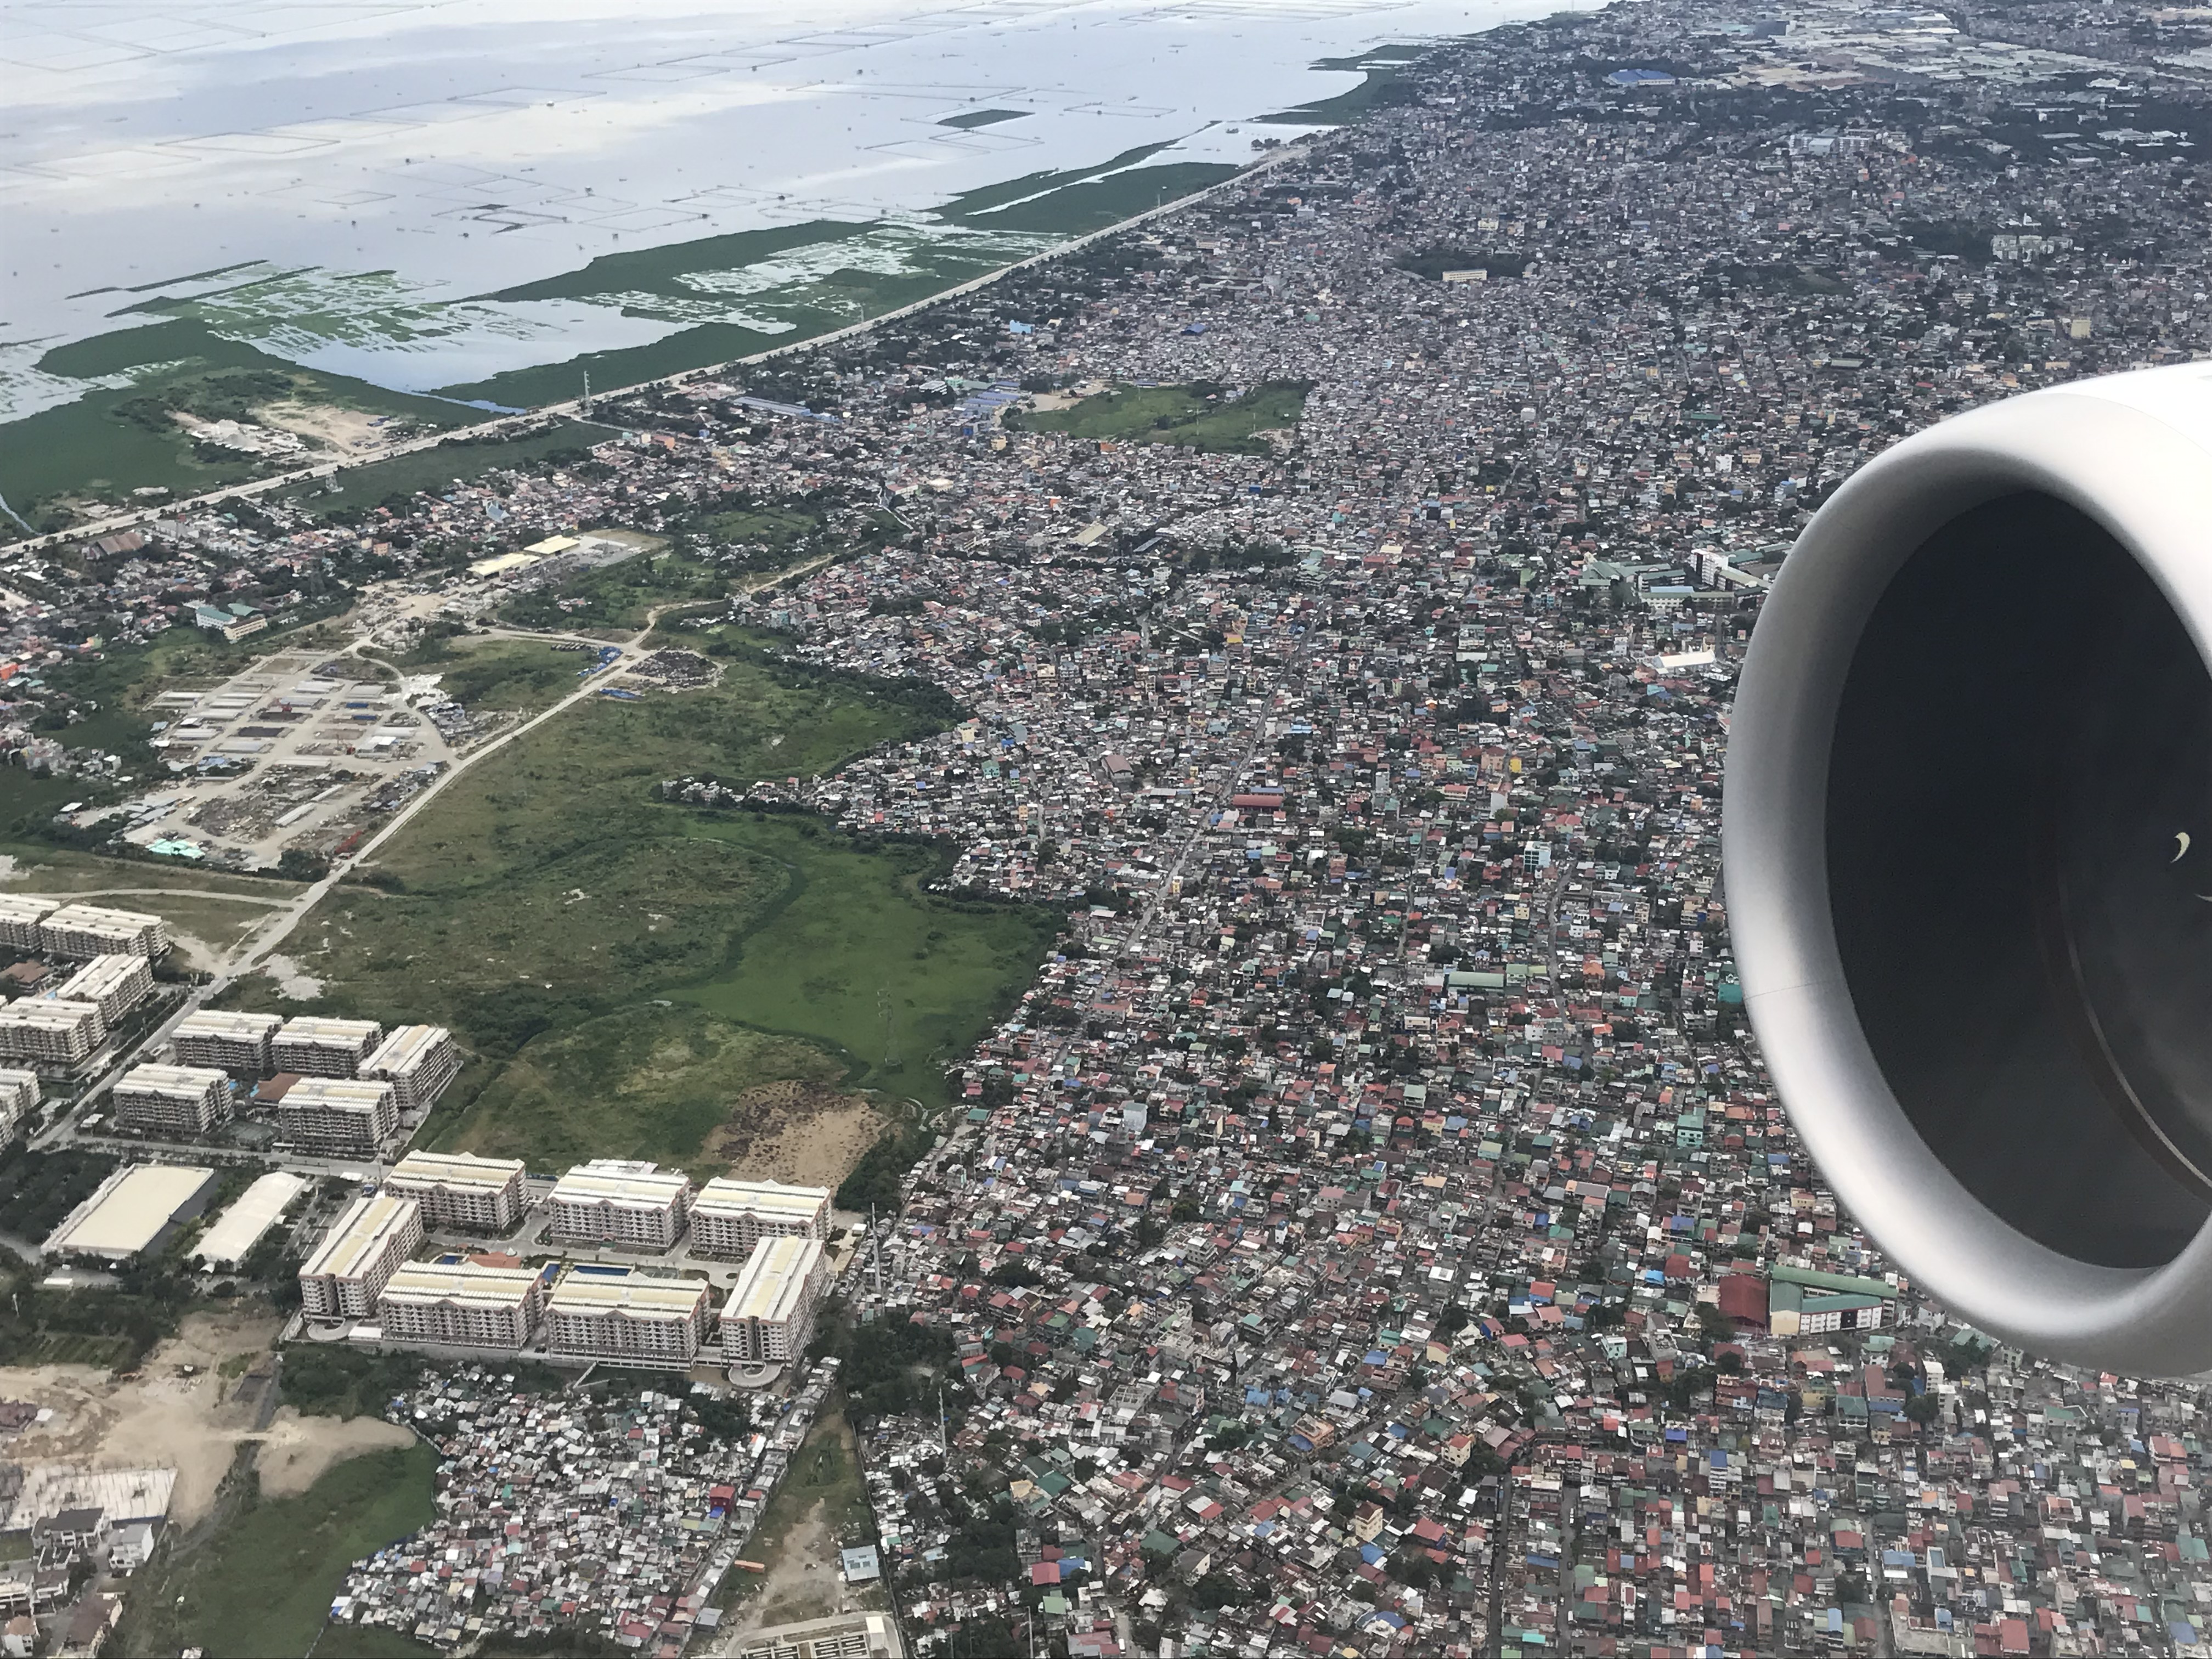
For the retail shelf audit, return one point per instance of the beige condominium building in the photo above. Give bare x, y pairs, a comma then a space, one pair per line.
769, 1316
241, 1044
343, 1117
461, 1192
50, 1032
730, 1216
20, 918
314, 1047
418, 1061
351, 1267
89, 930
617, 1201
615, 1313
182, 1100
115, 983
19, 1099
470, 1303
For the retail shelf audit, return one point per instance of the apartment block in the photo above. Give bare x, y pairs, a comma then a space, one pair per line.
769, 1316
730, 1216
342, 1117
20, 918
461, 1192
418, 1061
468, 1303
90, 930
314, 1047
354, 1263
616, 1314
184, 1100
50, 1032
243, 1045
19, 1099
115, 983
619, 1202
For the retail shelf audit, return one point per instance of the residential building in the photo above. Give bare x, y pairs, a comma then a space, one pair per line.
621, 1314
315, 1047
90, 930
19, 1099
51, 1032
729, 1217
343, 1117
115, 983
182, 1100
769, 1316
20, 918
418, 1061
619, 1202
356, 1259
470, 1303
241, 1044
461, 1192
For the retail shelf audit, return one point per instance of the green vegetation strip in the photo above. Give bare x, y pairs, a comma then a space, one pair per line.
1195, 416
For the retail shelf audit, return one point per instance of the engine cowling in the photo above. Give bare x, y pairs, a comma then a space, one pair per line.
1968, 861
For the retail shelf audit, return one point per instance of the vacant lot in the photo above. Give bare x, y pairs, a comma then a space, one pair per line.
494, 675
616, 596
822, 1506
1192, 417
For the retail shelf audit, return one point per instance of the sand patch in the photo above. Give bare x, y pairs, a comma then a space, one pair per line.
297, 1451
294, 982
796, 1132
349, 431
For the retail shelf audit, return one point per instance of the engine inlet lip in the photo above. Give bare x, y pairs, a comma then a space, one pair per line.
2144, 476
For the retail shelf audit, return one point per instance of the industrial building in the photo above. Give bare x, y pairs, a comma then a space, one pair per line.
619, 1202
19, 1099
418, 1061
135, 1211
364, 1248
90, 930
20, 918
115, 983
461, 1192
240, 1044
315, 1047
48, 1031
240, 1227
472, 1303
769, 1316
616, 1313
730, 1216
344, 1117
180, 1100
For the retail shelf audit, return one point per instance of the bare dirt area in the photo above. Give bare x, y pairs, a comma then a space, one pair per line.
348, 431
180, 1411
796, 1132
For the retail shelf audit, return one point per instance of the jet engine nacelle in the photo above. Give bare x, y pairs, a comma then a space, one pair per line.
1968, 833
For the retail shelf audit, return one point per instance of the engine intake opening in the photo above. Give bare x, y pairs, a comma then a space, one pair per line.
2020, 864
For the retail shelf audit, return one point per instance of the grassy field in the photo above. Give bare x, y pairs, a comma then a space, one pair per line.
263, 1585
458, 461
61, 870
497, 674
1191, 416
617, 596
548, 906
822, 1505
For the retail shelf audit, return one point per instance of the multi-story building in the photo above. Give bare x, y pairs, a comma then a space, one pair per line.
730, 1216
315, 1047
354, 1261
90, 930
19, 1099
184, 1100
50, 1032
769, 1316
115, 983
470, 1303
238, 1043
617, 1201
418, 1061
20, 918
344, 1117
617, 1314
460, 1191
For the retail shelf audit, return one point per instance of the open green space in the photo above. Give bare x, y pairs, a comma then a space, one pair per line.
617, 596
459, 459
496, 675
1077, 210
821, 1507
1193, 416
40, 869
263, 1584
1383, 85
548, 905
111, 439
